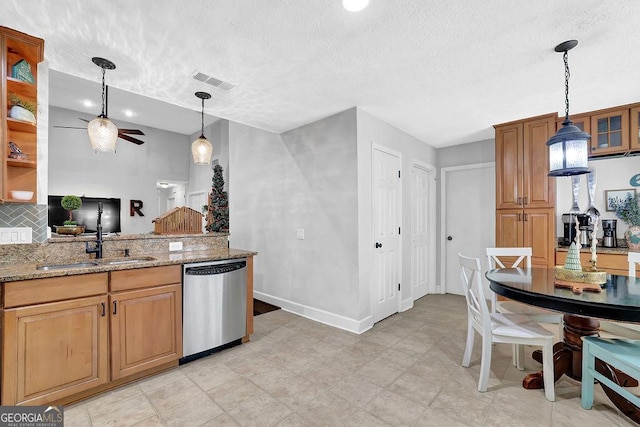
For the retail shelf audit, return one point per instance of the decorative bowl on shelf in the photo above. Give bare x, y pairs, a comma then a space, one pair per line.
21, 195
73, 230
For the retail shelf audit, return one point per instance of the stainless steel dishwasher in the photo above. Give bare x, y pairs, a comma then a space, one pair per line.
214, 306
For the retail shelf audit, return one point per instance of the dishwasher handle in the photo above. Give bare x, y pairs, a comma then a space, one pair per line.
209, 270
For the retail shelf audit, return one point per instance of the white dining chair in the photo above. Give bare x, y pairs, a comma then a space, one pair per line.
626, 330
496, 258
499, 328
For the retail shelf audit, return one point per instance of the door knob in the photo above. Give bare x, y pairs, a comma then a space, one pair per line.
378, 245
449, 238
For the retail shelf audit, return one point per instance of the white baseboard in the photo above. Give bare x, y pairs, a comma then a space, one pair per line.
406, 304
322, 316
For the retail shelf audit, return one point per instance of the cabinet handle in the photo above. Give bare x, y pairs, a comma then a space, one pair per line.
115, 307
526, 200
519, 201
526, 217
519, 217
104, 309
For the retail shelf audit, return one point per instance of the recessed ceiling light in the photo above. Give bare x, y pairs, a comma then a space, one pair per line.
355, 5
163, 184
87, 103
128, 113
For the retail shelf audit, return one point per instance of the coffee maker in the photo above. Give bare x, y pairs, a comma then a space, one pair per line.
609, 234
584, 224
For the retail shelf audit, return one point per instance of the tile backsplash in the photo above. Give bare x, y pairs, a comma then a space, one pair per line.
25, 215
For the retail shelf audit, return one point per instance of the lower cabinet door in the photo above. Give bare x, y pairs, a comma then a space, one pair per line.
54, 350
146, 329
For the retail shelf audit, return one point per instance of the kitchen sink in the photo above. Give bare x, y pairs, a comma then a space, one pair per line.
61, 266
126, 260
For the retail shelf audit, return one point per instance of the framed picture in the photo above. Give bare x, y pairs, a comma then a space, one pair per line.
617, 194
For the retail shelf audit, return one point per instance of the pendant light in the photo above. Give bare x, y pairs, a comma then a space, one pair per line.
103, 134
201, 149
569, 147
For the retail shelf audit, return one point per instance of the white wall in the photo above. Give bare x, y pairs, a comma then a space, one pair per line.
129, 174
611, 174
303, 179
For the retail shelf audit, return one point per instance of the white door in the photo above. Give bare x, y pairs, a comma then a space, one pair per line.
422, 256
386, 233
469, 217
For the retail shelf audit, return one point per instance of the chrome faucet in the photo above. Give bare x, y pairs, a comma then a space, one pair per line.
97, 249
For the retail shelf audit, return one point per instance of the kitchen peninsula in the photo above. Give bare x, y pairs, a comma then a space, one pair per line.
74, 326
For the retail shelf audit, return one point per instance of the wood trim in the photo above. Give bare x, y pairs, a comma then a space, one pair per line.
249, 299
37, 291
541, 117
124, 280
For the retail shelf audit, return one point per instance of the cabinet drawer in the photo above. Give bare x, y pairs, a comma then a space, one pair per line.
612, 263
123, 280
36, 291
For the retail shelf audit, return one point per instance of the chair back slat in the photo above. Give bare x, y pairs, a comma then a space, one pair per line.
470, 275
496, 258
633, 258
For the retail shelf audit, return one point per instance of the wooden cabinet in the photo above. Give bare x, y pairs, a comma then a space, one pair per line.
18, 173
52, 350
528, 228
146, 319
611, 263
610, 132
522, 164
634, 136
525, 194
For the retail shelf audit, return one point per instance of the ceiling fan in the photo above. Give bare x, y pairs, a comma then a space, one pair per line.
102, 132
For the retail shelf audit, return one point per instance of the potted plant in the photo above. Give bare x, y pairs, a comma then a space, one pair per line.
628, 210
70, 203
21, 109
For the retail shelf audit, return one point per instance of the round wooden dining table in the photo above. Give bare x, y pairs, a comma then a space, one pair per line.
619, 300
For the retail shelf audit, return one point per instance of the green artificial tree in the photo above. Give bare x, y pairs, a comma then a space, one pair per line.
71, 203
218, 219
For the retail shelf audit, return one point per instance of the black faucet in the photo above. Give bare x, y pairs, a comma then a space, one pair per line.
97, 249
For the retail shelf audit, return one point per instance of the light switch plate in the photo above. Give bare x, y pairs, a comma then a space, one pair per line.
175, 246
300, 234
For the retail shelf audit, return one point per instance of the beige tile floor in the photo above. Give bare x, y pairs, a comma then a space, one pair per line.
297, 372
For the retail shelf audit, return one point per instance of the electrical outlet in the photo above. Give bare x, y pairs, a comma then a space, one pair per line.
175, 246
300, 234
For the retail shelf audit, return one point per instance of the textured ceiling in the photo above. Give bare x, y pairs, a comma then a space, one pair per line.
444, 72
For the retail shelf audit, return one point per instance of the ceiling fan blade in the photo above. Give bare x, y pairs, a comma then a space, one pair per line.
84, 120
131, 131
130, 139
68, 127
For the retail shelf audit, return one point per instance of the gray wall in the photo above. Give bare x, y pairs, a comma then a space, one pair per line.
371, 131
129, 174
303, 179
475, 152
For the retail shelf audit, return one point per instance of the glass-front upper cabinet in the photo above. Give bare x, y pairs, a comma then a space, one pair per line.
634, 139
610, 132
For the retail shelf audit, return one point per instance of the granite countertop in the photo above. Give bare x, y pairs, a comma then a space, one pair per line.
17, 272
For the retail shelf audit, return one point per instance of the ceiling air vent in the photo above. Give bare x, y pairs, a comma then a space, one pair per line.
201, 77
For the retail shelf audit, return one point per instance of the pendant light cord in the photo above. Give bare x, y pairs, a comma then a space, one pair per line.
103, 94
202, 120
566, 84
